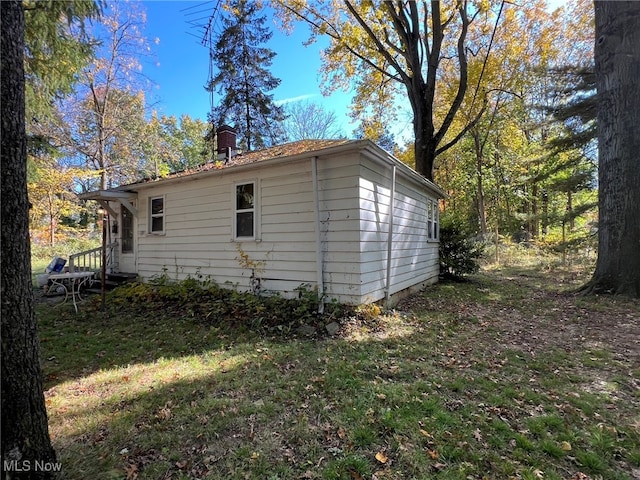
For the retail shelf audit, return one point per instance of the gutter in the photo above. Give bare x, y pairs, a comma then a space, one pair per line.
316, 211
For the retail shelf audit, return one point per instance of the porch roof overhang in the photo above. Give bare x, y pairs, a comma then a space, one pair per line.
103, 197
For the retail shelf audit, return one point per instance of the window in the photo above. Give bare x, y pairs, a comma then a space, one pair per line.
433, 220
156, 214
245, 210
127, 231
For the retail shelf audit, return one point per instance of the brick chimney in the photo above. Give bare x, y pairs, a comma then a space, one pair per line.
226, 141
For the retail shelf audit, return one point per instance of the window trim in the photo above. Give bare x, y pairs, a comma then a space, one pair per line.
433, 220
124, 211
157, 215
255, 210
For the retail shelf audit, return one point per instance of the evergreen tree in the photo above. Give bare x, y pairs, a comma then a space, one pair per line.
57, 47
576, 87
617, 68
25, 435
572, 166
243, 80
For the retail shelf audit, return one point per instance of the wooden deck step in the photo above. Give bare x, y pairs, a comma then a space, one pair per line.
112, 281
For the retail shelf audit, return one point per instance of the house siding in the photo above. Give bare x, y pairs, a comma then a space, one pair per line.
353, 198
339, 228
198, 236
414, 260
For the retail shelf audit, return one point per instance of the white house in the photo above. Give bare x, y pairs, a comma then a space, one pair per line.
342, 216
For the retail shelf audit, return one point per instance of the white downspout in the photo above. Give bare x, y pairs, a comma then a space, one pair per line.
392, 195
316, 208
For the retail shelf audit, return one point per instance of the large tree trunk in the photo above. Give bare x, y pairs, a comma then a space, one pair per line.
425, 144
25, 435
617, 62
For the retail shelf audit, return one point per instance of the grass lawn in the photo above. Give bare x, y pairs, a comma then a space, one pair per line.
506, 376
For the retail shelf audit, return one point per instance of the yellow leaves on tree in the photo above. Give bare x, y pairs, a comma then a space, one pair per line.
52, 197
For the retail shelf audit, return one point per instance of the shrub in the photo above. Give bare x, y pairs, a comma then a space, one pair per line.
459, 252
209, 302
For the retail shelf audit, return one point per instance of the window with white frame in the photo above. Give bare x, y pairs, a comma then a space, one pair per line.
156, 214
433, 220
245, 209
127, 230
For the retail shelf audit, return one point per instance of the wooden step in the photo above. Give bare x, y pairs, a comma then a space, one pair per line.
122, 277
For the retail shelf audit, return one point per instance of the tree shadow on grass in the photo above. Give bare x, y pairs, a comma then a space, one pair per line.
258, 408
151, 396
74, 345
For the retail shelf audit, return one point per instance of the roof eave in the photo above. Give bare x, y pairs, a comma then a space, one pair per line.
127, 191
331, 150
107, 195
389, 159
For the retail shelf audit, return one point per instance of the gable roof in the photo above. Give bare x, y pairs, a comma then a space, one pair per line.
284, 150
280, 151
291, 150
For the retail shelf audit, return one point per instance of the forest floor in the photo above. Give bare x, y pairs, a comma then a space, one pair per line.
509, 375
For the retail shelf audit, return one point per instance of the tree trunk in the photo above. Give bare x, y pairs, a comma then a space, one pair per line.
425, 151
532, 213
617, 64
482, 212
569, 213
25, 435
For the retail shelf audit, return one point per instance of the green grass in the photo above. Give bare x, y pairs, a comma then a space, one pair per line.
484, 379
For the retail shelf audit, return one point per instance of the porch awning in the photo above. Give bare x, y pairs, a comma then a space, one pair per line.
103, 197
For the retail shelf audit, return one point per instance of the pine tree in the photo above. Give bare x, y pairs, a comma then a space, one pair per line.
617, 67
57, 47
25, 435
243, 80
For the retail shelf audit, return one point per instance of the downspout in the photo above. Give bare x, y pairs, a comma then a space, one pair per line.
387, 290
316, 208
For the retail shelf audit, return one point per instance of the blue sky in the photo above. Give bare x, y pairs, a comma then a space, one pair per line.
180, 65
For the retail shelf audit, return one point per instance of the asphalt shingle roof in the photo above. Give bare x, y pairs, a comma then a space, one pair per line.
279, 151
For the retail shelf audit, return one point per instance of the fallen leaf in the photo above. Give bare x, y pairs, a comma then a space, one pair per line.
381, 457
132, 471
425, 433
477, 435
565, 446
164, 413
355, 475
433, 454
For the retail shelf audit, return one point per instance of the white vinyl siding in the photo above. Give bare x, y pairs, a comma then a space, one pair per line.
199, 236
339, 228
413, 260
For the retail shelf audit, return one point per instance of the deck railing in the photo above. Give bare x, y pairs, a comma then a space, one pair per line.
91, 260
